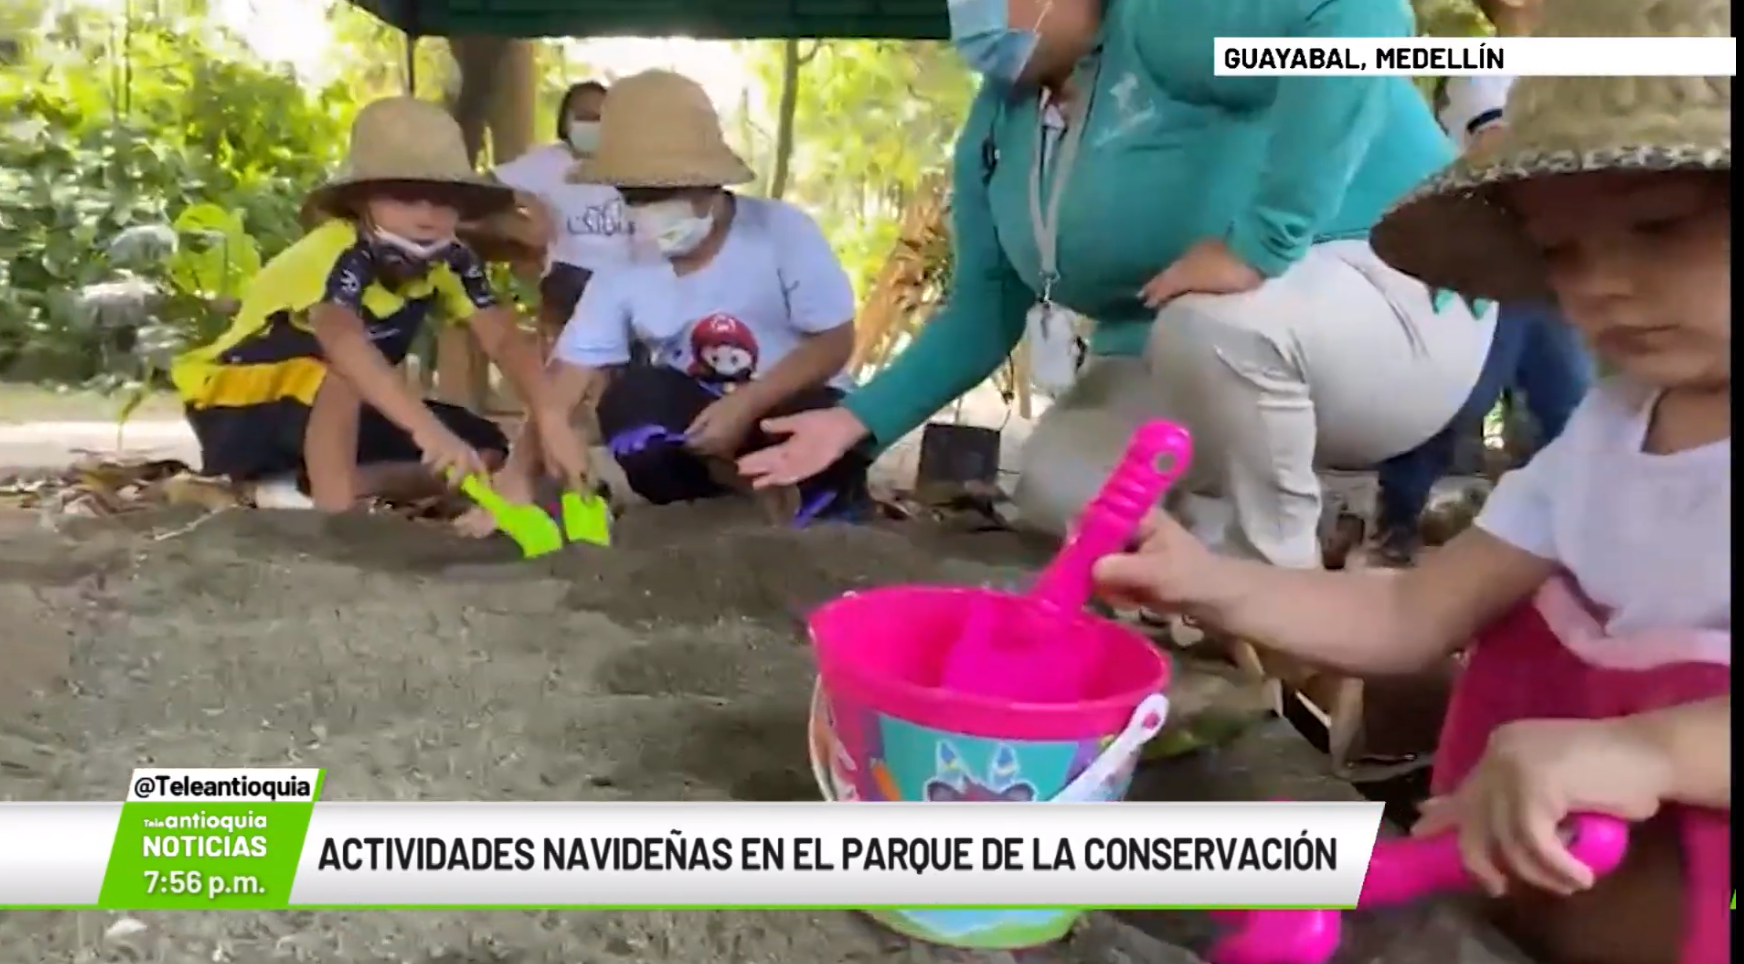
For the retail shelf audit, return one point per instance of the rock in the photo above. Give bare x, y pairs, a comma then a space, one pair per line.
125, 929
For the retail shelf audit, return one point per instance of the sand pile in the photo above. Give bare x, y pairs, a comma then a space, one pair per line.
415, 666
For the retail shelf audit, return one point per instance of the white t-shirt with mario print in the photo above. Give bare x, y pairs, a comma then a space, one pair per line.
1473, 103
774, 281
592, 231
1647, 537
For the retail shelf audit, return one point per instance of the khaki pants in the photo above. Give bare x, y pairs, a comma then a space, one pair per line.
1340, 363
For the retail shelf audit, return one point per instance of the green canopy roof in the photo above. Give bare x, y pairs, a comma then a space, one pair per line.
710, 19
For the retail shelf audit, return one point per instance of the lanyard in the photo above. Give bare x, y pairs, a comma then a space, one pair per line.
1046, 225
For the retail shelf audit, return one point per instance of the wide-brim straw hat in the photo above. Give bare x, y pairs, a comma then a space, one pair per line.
1454, 231
659, 129
409, 143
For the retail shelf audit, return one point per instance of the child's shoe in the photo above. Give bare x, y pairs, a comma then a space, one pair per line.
281, 492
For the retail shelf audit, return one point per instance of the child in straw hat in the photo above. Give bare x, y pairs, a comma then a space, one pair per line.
740, 304
1597, 581
302, 388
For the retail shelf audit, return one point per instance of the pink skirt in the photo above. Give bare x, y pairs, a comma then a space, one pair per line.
1551, 659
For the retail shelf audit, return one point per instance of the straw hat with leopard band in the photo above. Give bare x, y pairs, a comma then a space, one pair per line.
1455, 231
410, 144
659, 129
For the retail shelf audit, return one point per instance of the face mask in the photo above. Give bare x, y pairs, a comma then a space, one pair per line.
673, 226
402, 254
584, 136
982, 33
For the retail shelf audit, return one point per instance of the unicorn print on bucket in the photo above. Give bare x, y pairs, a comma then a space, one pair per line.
952, 781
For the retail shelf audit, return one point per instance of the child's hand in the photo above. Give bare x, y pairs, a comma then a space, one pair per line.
447, 456
563, 449
1533, 775
513, 485
720, 429
1164, 574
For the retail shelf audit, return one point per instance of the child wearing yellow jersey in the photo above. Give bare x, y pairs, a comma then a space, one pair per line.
303, 385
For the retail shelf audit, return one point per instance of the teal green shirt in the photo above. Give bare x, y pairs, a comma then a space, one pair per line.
1170, 155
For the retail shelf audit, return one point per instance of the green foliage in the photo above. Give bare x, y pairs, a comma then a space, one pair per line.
872, 118
216, 256
117, 129
1447, 18
1450, 18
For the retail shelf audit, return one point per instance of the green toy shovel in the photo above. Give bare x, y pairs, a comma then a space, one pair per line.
584, 518
528, 525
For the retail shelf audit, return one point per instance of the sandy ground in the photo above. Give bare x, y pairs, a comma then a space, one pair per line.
414, 665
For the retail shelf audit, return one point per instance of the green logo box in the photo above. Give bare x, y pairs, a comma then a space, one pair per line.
189, 855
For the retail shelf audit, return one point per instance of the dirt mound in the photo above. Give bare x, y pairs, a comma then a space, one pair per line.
414, 665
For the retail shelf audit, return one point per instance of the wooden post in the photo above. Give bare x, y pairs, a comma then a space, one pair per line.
498, 88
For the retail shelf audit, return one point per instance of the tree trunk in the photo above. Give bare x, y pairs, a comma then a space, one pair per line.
478, 59
514, 102
498, 94
791, 61
495, 104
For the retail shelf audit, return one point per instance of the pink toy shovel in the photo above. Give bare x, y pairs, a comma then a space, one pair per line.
1028, 659
1399, 872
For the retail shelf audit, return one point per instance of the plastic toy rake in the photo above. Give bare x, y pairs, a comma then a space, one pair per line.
1400, 872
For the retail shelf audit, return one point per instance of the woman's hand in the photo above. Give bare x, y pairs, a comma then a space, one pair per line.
1533, 775
1207, 268
815, 440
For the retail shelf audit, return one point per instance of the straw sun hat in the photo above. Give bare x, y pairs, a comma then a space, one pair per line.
659, 129
1453, 232
409, 142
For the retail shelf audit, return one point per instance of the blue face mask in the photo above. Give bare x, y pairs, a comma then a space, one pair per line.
982, 33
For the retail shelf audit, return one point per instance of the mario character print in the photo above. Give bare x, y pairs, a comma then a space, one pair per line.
723, 350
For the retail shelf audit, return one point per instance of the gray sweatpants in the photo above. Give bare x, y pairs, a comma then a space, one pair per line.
1339, 363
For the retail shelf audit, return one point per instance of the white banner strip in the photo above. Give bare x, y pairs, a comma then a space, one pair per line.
55, 854
1457, 57
838, 855
764, 855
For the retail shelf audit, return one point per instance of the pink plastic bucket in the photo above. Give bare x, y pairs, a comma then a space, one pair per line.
882, 731
884, 650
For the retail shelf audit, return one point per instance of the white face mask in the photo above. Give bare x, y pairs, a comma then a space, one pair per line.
672, 226
414, 251
584, 136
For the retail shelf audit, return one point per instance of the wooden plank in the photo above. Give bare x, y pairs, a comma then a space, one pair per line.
462, 371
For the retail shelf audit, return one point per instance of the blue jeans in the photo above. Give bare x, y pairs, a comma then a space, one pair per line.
1534, 352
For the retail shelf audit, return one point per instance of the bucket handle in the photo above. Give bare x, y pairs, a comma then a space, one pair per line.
820, 769
1147, 720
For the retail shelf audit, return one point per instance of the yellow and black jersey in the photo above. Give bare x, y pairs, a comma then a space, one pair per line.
270, 353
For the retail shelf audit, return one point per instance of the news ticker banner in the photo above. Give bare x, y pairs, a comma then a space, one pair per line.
260, 839
1477, 56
